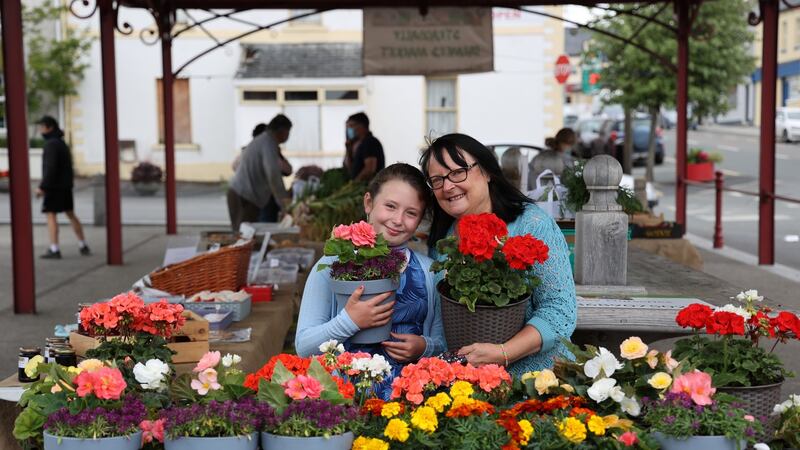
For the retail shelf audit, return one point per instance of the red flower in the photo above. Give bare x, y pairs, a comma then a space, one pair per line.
479, 234
694, 316
762, 323
522, 251
372, 406
628, 438
724, 322
786, 322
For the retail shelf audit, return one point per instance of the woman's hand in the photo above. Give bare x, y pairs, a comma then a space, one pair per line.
369, 313
407, 348
481, 354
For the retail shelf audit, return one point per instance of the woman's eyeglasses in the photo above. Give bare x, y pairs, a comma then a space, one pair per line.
455, 176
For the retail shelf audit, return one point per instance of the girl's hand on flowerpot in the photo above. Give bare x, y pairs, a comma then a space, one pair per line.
407, 347
481, 354
369, 313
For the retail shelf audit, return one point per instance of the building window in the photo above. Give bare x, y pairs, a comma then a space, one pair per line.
337, 95
783, 33
300, 96
260, 96
182, 110
314, 19
441, 107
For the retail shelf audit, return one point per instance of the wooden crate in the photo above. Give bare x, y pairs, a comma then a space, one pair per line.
191, 341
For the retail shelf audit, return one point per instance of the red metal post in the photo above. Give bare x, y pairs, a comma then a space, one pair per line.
682, 8
19, 174
108, 57
766, 175
718, 183
169, 116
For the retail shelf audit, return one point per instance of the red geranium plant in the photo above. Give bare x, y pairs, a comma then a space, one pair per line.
733, 353
486, 266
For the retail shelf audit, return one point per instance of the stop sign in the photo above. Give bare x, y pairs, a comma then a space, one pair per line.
563, 69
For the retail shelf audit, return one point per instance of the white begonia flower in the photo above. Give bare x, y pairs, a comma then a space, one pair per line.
738, 310
601, 389
605, 361
230, 360
378, 366
630, 406
332, 346
151, 375
751, 295
761, 446
781, 408
360, 364
795, 398
616, 394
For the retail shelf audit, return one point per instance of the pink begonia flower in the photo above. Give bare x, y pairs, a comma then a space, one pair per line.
152, 429
208, 361
303, 386
206, 381
85, 383
697, 384
652, 358
670, 362
342, 232
362, 234
628, 438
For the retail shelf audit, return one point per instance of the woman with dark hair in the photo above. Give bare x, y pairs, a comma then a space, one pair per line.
466, 179
396, 201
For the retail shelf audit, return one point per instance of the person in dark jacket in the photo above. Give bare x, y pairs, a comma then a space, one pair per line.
365, 158
56, 186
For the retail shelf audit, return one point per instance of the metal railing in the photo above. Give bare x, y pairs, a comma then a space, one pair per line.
719, 188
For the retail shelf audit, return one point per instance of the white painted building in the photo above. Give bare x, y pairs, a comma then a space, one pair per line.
223, 95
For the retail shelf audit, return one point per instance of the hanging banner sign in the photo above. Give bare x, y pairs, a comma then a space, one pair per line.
401, 41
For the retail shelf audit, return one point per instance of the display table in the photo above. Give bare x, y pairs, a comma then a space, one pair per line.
679, 250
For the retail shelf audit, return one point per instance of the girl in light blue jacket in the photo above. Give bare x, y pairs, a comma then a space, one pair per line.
395, 203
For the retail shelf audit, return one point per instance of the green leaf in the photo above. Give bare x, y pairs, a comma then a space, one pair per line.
280, 375
29, 424
181, 389
237, 391
272, 394
316, 371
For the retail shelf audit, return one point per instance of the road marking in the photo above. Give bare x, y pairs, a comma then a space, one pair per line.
692, 141
791, 238
728, 148
736, 194
739, 217
730, 173
669, 159
792, 206
782, 156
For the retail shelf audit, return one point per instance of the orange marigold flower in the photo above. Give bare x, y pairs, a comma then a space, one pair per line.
373, 406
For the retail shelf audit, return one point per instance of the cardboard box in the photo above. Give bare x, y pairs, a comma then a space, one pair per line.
667, 230
190, 342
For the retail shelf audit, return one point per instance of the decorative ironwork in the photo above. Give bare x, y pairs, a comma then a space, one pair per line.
755, 18
125, 28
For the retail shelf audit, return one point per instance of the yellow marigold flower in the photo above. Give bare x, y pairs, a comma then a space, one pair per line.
461, 389
397, 430
360, 443
32, 366
377, 444
527, 431
545, 381
90, 365
660, 380
425, 419
461, 401
613, 421
573, 430
391, 409
632, 348
597, 425
438, 401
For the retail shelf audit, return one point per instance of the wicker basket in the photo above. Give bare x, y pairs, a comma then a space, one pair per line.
758, 401
224, 269
487, 324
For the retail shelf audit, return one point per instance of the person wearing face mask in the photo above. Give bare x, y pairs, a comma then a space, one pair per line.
56, 186
466, 179
258, 179
366, 154
395, 203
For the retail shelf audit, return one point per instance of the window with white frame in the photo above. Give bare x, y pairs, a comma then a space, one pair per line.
342, 95
440, 106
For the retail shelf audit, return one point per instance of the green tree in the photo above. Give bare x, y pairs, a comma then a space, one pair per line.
719, 58
54, 66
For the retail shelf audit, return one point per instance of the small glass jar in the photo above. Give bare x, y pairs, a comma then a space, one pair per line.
25, 355
65, 356
50, 344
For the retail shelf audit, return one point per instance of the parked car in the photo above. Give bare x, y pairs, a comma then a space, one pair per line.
587, 131
787, 124
605, 136
669, 119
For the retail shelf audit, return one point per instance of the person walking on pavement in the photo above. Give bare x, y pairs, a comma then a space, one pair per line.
366, 158
258, 179
56, 186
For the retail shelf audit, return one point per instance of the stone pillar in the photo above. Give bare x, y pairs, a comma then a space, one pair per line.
601, 227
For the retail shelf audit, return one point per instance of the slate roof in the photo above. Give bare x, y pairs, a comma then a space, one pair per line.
321, 60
